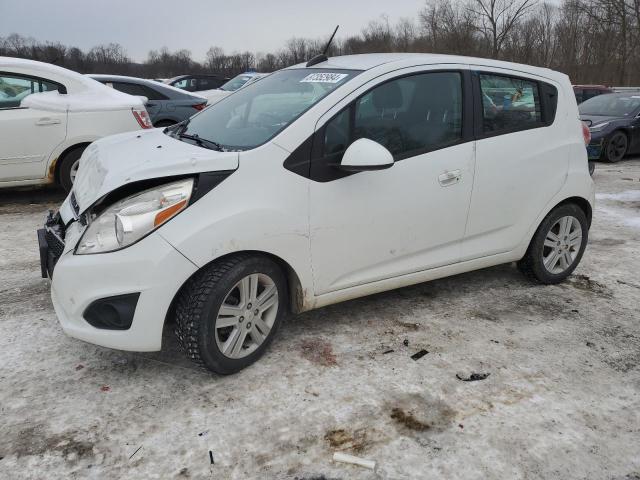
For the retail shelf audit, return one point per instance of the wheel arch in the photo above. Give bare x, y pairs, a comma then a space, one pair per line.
295, 291
581, 202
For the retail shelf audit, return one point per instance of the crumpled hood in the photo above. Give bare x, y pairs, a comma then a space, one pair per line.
114, 161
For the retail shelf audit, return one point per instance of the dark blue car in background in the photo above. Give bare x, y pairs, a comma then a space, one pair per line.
614, 122
166, 105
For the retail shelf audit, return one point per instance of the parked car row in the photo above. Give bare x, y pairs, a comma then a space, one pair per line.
49, 115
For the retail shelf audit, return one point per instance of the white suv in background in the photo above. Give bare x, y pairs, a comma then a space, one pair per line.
48, 116
321, 183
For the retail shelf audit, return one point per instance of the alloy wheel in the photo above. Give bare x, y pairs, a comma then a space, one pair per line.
246, 316
74, 170
617, 147
562, 245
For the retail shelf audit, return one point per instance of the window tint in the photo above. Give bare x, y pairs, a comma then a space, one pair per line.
209, 83
137, 89
408, 116
509, 104
14, 88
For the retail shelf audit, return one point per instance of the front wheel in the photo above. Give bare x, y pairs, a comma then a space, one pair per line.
557, 246
228, 314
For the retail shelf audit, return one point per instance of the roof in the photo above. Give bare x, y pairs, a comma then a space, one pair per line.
144, 81
369, 61
83, 93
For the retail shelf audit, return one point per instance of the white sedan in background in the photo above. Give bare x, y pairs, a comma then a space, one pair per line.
49, 115
236, 83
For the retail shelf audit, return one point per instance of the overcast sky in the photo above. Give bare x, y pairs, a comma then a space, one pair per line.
141, 25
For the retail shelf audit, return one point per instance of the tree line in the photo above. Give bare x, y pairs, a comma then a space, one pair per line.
593, 41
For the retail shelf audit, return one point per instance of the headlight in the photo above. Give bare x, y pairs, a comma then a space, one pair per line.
598, 127
130, 219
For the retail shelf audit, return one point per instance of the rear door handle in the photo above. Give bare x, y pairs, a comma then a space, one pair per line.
449, 178
48, 121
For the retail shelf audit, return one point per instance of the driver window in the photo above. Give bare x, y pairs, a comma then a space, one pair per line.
409, 116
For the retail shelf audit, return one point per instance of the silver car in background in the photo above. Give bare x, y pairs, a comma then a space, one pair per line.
166, 105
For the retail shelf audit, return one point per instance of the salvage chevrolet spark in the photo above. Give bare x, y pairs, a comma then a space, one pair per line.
320, 183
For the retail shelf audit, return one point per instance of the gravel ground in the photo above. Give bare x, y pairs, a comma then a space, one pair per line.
562, 399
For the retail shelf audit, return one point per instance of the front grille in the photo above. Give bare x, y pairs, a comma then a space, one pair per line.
54, 234
74, 204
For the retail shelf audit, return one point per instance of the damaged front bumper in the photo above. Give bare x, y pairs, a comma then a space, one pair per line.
151, 270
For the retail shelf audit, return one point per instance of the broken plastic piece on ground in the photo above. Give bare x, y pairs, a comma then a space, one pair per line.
406, 342
345, 458
419, 355
472, 377
391, 350
211, 457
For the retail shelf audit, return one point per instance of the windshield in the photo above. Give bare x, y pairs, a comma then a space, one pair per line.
610, 105
251, 116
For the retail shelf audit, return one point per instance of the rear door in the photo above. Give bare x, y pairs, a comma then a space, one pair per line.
375, 225
27, 135
522, 158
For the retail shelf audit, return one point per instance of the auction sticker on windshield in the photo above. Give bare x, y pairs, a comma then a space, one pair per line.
324, 77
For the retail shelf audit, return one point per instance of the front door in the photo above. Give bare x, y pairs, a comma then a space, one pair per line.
375, 225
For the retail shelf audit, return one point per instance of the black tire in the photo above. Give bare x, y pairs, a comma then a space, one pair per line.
199, 302
164, 123
532, 265
66, 165
616, 147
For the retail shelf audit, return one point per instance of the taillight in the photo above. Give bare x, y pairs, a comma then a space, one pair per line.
586, 133
143, 118
199, 106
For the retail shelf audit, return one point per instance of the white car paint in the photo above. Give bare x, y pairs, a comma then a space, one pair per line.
466, 206
35, 134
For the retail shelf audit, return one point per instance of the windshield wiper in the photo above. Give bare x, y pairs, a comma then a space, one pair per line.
203, 142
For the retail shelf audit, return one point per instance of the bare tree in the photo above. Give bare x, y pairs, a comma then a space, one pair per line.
497, 18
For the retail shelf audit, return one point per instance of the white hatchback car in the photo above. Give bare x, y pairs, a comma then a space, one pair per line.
48, 115
318, 184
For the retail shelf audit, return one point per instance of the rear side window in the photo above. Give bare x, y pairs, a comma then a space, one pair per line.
14, 88
409, 116
139, 90
509, 104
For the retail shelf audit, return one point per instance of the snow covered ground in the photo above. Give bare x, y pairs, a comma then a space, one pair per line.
562, 399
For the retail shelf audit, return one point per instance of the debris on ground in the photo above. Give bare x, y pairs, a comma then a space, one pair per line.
591, 344
391, 350
419, 355
319, 351
105, 388
79, 366
473, 377
202, 434
211, 457
137, 450
406, 342
345, 458
408, 420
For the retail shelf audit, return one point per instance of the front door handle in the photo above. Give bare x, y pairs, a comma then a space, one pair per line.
48, 121
449, 178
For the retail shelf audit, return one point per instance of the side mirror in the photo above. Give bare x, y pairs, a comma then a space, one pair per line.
365, 154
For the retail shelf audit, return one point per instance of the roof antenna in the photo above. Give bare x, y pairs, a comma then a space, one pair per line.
323, 56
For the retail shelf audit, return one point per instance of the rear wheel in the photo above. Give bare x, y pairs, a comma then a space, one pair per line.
69, 168
616, 147
228, 314
557, 246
